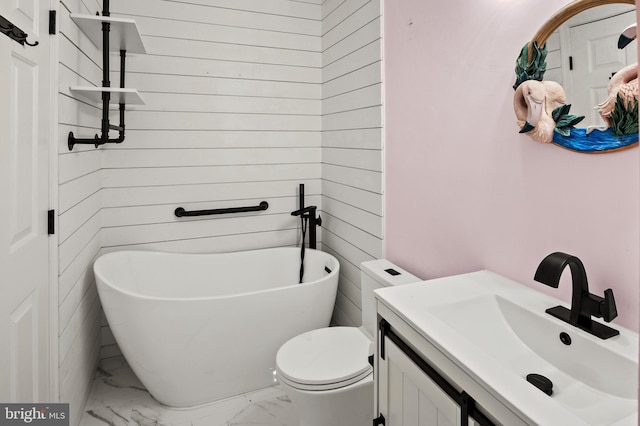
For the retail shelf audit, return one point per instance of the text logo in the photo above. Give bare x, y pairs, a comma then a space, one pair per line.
34, 414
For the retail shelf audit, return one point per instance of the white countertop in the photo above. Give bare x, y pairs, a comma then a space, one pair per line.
425, 306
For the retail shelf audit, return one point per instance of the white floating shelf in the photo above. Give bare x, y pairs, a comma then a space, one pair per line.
123, 35
118, 95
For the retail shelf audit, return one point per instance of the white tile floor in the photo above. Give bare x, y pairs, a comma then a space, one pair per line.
118, 398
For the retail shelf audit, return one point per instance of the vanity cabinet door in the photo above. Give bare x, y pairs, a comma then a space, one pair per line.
409, 397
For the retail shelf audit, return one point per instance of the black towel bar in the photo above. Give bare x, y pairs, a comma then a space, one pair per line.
180, 212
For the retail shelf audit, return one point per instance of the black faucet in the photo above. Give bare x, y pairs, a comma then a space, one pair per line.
583, 303
308, 214
307, 217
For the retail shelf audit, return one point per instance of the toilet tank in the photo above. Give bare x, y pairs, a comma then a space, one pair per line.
376, 274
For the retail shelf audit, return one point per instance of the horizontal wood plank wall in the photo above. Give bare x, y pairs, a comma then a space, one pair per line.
79, 218
232, 117
352, 160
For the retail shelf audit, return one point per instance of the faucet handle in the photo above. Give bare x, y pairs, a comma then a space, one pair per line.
608, 306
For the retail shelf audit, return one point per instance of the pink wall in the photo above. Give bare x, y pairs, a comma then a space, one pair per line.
465, 191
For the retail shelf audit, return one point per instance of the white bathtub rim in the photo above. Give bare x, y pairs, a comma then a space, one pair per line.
100, 281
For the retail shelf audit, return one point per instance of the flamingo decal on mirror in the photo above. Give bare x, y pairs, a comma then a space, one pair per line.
541, 107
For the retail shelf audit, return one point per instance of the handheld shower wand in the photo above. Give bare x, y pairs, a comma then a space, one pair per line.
307, 218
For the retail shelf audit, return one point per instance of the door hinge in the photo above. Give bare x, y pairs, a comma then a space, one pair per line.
51, 222
379, 421
570, 63
52, 22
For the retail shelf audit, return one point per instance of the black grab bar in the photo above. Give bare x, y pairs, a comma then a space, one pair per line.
180, 212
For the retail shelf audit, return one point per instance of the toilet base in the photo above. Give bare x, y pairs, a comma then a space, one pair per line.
348, 406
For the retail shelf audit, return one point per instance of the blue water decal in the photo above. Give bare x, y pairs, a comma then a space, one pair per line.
596, 141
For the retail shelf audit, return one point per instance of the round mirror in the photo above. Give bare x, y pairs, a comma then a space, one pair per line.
581, 67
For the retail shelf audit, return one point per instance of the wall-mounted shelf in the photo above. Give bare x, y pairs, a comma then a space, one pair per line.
124, 32
118, 95
110, 35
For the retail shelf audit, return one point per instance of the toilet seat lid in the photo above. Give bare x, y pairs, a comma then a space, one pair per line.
327, 358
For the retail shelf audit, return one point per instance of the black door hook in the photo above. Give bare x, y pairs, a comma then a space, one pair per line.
14, 33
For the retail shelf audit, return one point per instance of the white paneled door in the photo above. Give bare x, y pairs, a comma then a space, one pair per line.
596, 57
25, 93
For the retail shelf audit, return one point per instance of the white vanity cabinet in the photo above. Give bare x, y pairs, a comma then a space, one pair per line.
408, 396
485, 340
416, 385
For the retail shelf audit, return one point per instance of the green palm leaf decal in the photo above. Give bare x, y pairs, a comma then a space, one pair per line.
624, 119
564, 120
534, 70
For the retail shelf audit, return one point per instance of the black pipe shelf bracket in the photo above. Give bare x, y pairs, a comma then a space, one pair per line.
14, 33
181, 212
100, 29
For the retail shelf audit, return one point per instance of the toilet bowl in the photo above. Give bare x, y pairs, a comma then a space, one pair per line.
326, 375
325, 372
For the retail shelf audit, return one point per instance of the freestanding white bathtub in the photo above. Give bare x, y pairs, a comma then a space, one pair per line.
196, 328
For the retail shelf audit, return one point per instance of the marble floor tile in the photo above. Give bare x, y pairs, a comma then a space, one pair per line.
118, 398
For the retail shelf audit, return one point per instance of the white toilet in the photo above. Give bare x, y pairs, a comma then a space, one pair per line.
326, 372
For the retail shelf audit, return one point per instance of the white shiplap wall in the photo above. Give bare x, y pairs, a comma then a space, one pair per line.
352, 156
79, 217
232, 117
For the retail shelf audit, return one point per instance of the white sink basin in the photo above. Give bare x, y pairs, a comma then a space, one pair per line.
498, 332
